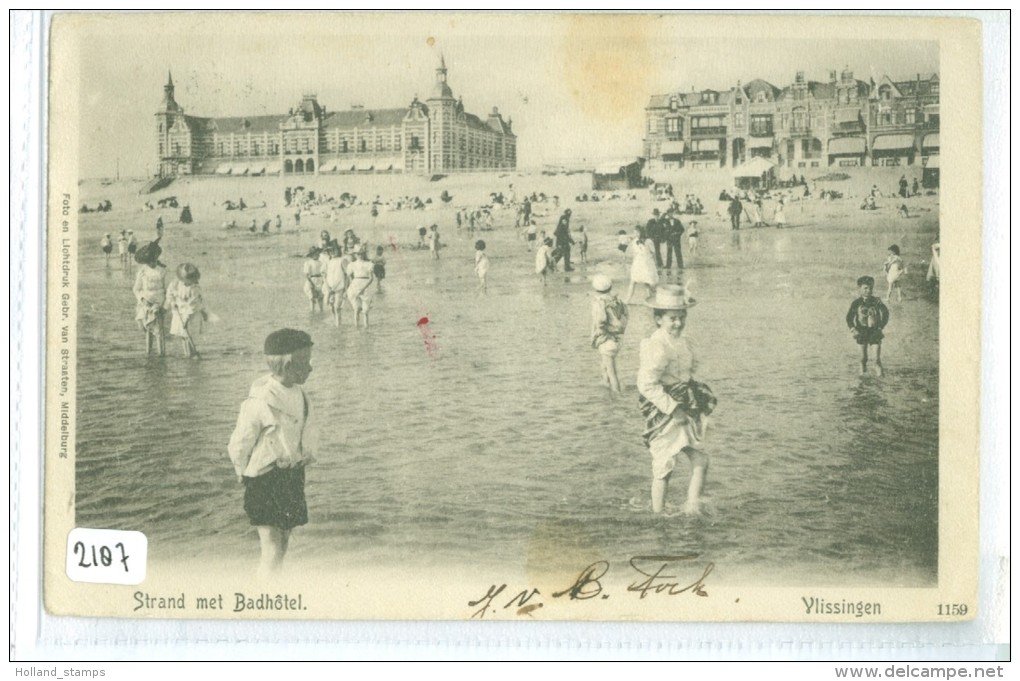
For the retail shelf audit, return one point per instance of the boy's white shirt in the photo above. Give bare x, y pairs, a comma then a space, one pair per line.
268, 432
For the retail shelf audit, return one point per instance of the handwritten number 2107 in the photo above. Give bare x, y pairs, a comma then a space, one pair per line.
101, 557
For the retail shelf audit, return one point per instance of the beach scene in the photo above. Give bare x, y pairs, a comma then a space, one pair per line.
459, 414
497, 433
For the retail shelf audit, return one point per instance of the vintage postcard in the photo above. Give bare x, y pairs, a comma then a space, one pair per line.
424, 316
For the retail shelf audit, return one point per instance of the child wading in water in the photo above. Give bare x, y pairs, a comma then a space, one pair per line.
582, 242
266, 446
692, 238
544, 262
313, 272
335, 281
609, 316
866, 318
150, 292
107, 245
481, 265
894, 269
184, 300
360, 273
675, 406
434, 241
379, 268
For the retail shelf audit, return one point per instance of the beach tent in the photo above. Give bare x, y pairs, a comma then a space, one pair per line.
621, 174
756, 173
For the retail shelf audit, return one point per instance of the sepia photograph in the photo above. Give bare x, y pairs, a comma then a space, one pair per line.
511, 316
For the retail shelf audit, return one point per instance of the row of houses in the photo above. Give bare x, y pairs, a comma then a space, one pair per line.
432, 136
806, 124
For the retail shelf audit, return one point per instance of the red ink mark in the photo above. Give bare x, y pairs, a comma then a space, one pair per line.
430, 338
393, 243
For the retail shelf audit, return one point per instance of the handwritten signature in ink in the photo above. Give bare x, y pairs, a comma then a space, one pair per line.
652, 575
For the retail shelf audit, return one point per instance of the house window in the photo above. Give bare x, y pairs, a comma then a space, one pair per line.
910, 117
738, 119
885, 93
673, 126
761, 125
653, 125
761, 97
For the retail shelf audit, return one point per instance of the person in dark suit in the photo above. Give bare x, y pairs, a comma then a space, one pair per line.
564, 240
673, 235
656, 232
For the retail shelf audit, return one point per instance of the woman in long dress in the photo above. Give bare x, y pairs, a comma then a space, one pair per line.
642, 266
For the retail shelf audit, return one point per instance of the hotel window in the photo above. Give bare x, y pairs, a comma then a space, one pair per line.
910, 117
363, 145
255, 148
274, 147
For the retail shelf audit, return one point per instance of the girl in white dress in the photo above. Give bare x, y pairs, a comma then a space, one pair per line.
150, 294
894, 269
187, 311
361, 276
642, 267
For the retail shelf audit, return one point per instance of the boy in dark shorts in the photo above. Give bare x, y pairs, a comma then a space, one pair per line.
866, 318
266, 446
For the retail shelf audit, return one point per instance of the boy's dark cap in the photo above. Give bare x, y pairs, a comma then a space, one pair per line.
870, 281
286, 341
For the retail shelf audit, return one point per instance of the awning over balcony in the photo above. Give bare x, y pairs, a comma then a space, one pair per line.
846, 145
893, 142
328, 167
760, 142
365, 165
257, 169
673, 148
932, 162
930, 141
223, 169
239, 169
272, 169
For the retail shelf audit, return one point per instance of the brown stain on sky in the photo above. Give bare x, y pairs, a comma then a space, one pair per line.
608, 63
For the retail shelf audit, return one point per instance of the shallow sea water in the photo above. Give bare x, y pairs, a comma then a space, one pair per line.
501, 443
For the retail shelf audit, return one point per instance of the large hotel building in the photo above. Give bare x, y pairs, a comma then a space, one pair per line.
434, 136
807, 124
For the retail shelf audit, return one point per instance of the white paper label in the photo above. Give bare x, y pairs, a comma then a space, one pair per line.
106, 556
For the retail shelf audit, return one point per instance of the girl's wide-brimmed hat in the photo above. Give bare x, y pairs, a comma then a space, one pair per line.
149, 253
671, 297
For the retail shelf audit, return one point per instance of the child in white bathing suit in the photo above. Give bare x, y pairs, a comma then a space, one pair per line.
481, 265
312, 271
894, 270
335, 282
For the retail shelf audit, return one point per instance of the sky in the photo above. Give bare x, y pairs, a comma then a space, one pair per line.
575, 86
